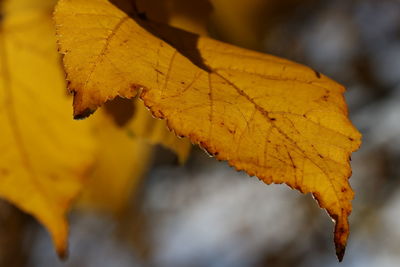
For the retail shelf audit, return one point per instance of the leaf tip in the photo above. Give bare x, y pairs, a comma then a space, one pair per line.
80, 115
341, 235
60, 239
340, 250
63, 254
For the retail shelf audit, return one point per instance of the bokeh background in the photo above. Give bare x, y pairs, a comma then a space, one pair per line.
206, 214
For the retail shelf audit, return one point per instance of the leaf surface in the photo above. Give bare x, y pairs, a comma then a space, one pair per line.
44, 154
275, 119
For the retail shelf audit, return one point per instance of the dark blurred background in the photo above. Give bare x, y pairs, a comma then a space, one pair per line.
207, 214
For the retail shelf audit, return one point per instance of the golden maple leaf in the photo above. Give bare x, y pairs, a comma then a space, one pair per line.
275, 119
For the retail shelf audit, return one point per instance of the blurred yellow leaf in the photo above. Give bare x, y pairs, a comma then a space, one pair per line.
125, 134
121, 163
45, 154
247, 23
136, 120
275, 119
191, 16
240, 22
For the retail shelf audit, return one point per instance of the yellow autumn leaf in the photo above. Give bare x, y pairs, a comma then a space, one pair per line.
275, 119
44, 153
120, 166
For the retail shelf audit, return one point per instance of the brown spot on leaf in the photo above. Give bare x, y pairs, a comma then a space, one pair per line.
136, 87
232, 131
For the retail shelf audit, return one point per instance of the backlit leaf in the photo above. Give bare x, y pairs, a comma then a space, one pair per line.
275, 119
